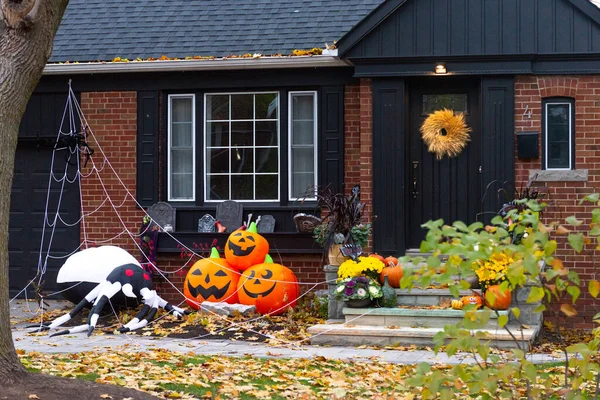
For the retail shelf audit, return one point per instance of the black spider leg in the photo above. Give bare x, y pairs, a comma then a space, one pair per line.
137, 317
151, 300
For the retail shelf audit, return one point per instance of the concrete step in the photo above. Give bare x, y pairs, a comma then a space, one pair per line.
412, 317
426, 297
357, 335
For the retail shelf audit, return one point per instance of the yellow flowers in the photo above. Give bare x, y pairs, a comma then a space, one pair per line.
494, 269
370, 266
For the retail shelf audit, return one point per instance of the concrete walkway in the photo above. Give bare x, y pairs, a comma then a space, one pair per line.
80, 342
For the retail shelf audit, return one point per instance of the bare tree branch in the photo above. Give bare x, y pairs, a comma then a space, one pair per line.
15, 11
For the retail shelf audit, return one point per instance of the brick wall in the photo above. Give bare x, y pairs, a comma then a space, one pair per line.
112, 117
564, 196
358, 145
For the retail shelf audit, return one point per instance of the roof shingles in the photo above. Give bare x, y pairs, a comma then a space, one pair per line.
104, 29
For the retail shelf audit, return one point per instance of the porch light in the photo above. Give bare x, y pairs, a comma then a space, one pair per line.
440, 69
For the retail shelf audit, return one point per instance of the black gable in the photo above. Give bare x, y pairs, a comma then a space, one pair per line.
458, 28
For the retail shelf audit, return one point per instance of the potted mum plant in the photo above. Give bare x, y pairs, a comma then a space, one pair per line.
357, 281
342, 223
491, 274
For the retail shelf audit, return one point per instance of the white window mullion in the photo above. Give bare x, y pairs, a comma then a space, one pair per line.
295, 144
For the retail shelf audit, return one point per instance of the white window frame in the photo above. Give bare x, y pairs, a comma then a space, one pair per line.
169, 124
553, 103
315, 143
205, 147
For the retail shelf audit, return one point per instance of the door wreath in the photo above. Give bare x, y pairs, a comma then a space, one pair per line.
445, 133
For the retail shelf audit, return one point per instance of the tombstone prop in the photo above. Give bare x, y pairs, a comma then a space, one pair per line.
306, 223
230, 214
162, 214
206, 223
266, 224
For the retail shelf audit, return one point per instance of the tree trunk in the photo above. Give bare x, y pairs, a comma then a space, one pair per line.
25, 46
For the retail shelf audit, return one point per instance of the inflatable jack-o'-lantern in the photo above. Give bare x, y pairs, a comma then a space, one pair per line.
246, 248
271, 287
211, 279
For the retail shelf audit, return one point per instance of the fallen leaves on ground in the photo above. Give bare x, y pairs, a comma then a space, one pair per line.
174, 375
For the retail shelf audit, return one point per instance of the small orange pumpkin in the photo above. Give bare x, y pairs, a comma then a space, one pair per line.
377, 256
210, 279
394, 275
496, 298
473, 299
271, 287
390, 260
245, 248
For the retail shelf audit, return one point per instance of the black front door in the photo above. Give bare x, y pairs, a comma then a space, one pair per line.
448, 188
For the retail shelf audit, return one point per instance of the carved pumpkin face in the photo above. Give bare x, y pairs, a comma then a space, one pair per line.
210, 279
272, 288
476, 300
246, 248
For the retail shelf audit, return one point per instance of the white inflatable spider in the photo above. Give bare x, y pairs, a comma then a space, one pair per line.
122, 273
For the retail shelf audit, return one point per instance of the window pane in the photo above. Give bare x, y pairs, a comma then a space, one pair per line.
182, 161
244, 143
219, 161
435, 102
242, 133
558, 135
303, 144
217, 134
266, 106
303, 132
181, 134
266, 133
181, 186
181, 109
242, 160
242, 187
303, 106
266, 187
558, 114
217, 107
303, 160
217, 187
242, 106
266, 160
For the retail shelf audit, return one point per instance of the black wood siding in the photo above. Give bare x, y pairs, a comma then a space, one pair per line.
498, 125
147, 147
388, 166
423, 28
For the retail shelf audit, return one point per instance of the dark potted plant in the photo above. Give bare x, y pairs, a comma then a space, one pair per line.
342, 222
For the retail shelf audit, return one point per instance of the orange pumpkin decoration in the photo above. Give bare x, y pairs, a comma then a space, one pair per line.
377, 256
245, 248
271, 287
390, 260
496, 298
394, 275
473, 299
211, 279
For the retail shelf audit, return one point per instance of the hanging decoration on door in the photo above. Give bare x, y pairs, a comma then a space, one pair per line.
445, 133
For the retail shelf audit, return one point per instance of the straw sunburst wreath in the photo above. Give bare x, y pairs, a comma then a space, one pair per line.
445, 133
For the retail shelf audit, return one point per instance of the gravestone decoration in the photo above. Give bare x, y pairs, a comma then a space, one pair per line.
230, 214
162, 214
206, 223
306, 223
266, 224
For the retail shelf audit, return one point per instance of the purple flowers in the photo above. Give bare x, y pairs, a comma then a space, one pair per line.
348, 291
358, 287
351, 284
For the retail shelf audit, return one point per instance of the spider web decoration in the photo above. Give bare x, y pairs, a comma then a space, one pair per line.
445, 134
76, 138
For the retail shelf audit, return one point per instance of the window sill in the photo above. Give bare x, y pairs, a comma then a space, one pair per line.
280, 242
575, 175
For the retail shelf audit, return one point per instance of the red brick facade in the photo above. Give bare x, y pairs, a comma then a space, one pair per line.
564, 197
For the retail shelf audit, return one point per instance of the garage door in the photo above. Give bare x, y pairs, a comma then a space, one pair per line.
28, 204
